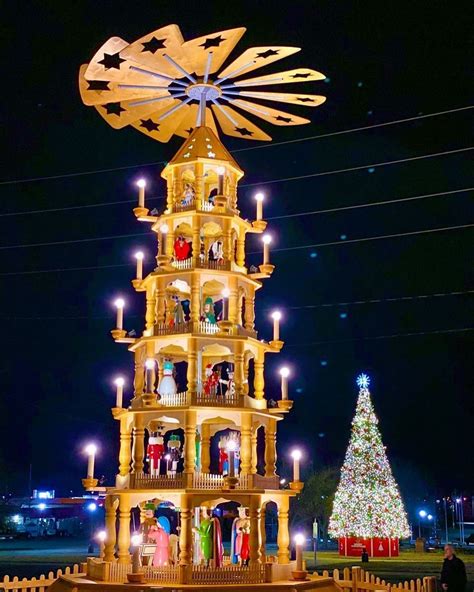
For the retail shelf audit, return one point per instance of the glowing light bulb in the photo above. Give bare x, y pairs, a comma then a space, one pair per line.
276, 315
101, 536
119, 303
226, 292
119, 381
136, 539
299, 539
220, 170
164, 228
141, 183
150, 364
139, 255
259, 196
296, 454
267, 239
284, 372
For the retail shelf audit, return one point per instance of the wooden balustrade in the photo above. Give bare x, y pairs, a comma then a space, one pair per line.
175, 400
142, 480
227, 400
228, 574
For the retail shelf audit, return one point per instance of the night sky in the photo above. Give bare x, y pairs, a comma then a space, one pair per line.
384, 61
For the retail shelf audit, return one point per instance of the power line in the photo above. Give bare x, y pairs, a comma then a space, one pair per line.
354, 129
365, 166
370, 238
380, 300
308, 306
376, 337
76, 240
273, 181
340, 242
370, 204
306, 139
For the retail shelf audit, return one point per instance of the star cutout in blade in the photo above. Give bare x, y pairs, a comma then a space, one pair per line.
267, 54
114, 109
189, 131
112, 61
153, 45
300, 75
305, 100
149, 125
243, 131
215, 42
285, 119
98, 85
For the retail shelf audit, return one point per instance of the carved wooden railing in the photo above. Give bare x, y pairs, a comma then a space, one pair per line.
140, 480
201, 327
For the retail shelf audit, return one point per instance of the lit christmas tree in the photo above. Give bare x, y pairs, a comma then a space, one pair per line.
368, 510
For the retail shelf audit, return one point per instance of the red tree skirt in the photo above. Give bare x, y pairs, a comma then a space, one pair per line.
375, 547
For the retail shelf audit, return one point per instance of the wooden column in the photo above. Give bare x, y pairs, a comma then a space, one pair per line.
125, 455
186, 533
138, 446
239, 368
283, 538
205, 447
169, 189
139, 378
233, 300
195, 303
240, 250
246, 444
250, 309
226, 240
189, 446
263, 534
199, 185
254, 461
160, 301
111, 504
196, 240
259, 379
170, 243
192, 366
150, 308
124, 530
254, 515
270, 448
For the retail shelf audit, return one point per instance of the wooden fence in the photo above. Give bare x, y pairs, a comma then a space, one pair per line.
355, 579
40, 584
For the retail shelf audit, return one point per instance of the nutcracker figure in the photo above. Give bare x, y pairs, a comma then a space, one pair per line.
230, 383
174, 455
155, 452
223, 457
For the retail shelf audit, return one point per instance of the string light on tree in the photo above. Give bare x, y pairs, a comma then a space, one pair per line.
367, 502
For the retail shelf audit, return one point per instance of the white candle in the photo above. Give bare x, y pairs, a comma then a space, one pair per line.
276, 316
150, 379
90, 450
225, 304
136, 541
164, 229
296, 456
267, 239
141, 184
259, 197
231, 451
284, 373
119, 304
220, 180
299, 542
119, 382
139, 256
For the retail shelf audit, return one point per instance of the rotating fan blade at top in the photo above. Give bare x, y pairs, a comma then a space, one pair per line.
306, 100
206, 54
236, 125
290, 76
255, 58
190, 122
274, 116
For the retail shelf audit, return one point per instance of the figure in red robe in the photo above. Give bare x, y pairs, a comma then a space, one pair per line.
182, 248
211, 382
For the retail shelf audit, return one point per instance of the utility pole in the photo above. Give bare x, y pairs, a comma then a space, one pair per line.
446, 518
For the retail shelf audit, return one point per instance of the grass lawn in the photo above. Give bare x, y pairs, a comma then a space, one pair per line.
409, 565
